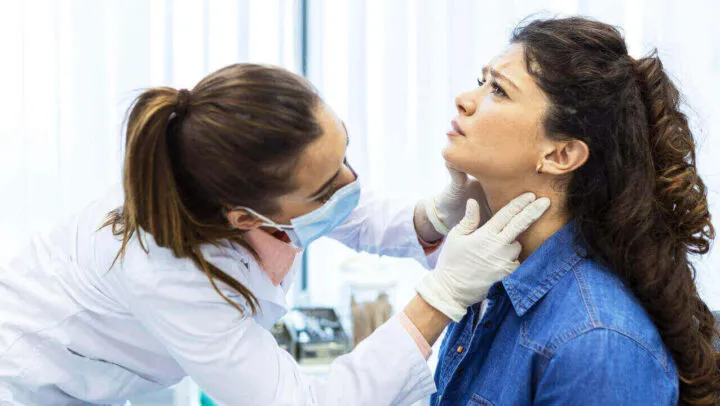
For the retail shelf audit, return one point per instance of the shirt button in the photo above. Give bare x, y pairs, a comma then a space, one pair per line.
488, 324
460, 349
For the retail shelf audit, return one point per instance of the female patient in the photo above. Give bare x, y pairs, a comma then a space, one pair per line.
603, 309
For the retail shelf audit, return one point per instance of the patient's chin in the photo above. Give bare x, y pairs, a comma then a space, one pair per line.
454, 157
447, 152
480, 168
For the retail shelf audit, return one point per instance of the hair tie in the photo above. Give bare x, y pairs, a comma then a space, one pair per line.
634, 62
183, 101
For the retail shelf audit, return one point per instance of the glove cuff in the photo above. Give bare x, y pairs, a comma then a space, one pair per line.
434, 217
429, 292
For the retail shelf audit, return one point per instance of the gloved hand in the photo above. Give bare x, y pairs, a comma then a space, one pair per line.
473, 259
446, 209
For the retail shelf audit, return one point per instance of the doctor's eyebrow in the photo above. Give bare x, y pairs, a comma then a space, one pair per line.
327, 184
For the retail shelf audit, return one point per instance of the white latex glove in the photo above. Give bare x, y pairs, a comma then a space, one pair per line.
473, 259
446, 209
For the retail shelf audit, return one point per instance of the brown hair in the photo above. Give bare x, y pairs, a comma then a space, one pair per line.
233, 140
639, 202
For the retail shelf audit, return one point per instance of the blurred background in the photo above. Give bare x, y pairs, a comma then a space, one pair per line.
389, 68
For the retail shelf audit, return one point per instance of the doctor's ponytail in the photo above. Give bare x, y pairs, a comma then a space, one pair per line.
189, 155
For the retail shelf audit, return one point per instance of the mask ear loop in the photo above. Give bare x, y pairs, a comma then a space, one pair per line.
268, 222
352, 170
286, 227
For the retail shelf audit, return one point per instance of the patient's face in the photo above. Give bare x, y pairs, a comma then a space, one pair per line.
501, 125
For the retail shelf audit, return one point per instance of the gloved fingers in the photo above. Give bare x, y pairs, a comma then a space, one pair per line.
514, 265
505, 253
501, 219
515, 248
471, 221
476, 191
458, 177
523, 220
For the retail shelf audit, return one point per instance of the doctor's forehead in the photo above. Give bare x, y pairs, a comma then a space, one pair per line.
323, 157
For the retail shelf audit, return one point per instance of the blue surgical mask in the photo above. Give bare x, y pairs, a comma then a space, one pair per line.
320, 222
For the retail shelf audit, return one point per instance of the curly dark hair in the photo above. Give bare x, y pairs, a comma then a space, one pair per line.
639, 203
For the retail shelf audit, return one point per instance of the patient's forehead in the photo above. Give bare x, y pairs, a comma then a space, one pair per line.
511, 63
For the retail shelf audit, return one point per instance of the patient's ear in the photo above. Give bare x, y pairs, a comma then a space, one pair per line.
563, 157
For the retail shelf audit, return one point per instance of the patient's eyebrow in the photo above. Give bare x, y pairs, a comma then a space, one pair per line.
497, 74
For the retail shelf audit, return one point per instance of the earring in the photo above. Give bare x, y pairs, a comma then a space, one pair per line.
538, 169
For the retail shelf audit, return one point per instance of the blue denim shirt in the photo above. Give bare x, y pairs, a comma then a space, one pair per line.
562, 329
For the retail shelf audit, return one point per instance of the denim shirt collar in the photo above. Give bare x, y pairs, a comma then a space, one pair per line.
543, 269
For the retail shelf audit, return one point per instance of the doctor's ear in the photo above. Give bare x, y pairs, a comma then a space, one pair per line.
564, 157
243, 220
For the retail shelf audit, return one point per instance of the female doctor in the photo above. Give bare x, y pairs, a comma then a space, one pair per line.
183, 271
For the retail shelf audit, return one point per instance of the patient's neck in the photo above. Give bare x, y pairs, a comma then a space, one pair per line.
553, 220
539, 232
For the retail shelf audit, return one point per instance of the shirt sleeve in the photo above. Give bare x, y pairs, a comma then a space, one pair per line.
237, 362
384, 226
605, 367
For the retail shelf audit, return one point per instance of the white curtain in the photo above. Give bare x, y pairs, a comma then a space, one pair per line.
70, 69
391, 69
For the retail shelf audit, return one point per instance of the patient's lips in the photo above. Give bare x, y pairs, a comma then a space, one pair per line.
456, 131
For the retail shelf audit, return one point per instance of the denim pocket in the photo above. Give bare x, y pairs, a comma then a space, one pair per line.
478, 400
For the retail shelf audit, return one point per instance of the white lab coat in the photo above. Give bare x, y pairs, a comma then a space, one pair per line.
75, 330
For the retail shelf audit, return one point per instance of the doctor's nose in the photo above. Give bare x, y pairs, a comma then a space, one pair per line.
465, 105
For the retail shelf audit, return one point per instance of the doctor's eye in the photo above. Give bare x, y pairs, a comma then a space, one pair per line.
326, 196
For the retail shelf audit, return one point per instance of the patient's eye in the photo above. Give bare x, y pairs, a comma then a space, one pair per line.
497, 89
480, 82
